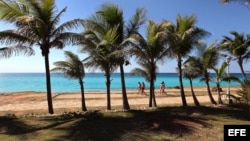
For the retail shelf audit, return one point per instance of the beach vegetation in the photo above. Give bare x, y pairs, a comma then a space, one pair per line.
205, 59
221, 76
36, 23
182, 36
238, 47
148, 52
72, 68
114, 17
244, 92
98, 40
190, 72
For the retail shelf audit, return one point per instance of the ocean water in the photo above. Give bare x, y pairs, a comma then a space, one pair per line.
15, 82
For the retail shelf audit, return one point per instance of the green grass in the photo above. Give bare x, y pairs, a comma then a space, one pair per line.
163, 124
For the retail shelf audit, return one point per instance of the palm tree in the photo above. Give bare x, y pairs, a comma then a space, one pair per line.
222, 76
191, 73
113, 15
238, 47
148, 52
98, 42
37, 24
72, 68
206, 58
182, 37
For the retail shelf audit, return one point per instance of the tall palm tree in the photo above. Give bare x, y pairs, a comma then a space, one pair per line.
182, 37
205, 59
36, 24
191, 73
148, 52
98, 41
72, 68
113, 15
238, 47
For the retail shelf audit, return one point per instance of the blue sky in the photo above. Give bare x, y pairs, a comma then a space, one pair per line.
211, 15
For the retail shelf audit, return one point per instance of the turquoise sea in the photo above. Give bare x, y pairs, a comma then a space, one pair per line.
15, 82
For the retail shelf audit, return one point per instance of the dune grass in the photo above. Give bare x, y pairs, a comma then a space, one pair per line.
163, 124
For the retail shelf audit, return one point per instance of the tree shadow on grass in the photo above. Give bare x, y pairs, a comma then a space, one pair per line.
23, 127
233, 111
137, 126
128, 125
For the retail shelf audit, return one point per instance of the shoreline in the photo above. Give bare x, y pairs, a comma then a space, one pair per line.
20, 103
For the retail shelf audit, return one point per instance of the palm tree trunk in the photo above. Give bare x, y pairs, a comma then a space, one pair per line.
108, 90
124, 93
48, 84
183, 97
241, 69
196, 102
208, 89
82, 95
153, 96
218, 91
150, 94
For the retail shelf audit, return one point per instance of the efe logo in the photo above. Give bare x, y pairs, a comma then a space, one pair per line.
241, 132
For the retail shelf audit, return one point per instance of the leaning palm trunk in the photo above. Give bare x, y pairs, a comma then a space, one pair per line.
48, 84
196, 102
218, 92
208, 89
108, 91
83, 97
184, 102
242, 70
124, 93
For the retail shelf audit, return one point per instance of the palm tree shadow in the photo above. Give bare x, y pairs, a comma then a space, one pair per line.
96, 126
13, 126
16, 126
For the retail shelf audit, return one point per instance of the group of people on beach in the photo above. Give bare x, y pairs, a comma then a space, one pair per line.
141, 88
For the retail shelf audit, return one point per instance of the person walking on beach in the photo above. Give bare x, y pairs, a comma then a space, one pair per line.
142, 88
139, 87
162, 88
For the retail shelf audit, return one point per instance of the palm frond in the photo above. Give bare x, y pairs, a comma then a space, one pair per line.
13, 36
135, 22
72, 67
141, 72
11, 11
6, 52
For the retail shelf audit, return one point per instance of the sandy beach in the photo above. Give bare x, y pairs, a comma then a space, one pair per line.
36, 102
